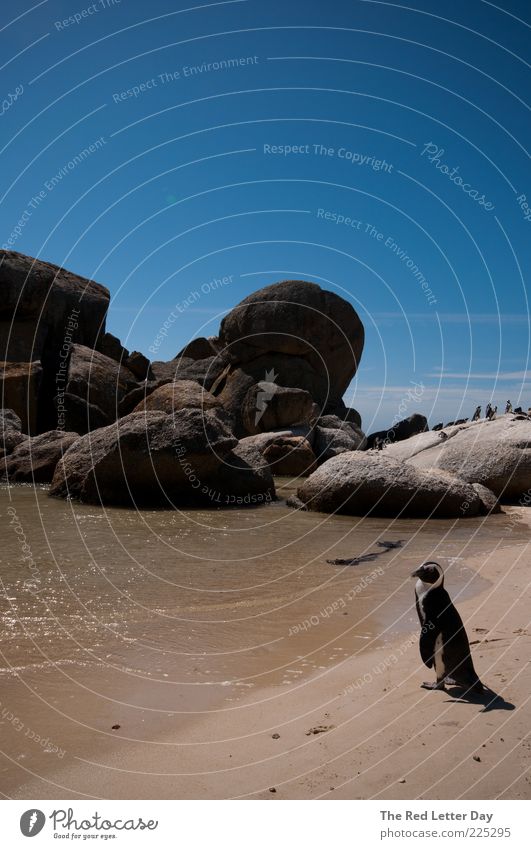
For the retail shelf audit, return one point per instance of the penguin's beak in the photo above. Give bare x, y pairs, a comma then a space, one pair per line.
416, 573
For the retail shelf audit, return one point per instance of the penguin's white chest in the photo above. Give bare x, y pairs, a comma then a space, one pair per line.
421, 590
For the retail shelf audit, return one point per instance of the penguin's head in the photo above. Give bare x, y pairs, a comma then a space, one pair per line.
429, 573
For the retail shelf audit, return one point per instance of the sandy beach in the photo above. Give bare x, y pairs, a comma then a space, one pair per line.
265, 402
332, 710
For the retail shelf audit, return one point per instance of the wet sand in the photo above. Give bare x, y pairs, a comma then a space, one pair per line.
203, 635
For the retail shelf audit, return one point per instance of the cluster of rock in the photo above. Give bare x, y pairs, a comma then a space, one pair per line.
463, 470
372, 484
405, 429
495, 454
214, 423
153, 458
228, 413
43, 309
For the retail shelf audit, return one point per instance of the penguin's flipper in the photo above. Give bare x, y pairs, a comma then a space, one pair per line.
427, 645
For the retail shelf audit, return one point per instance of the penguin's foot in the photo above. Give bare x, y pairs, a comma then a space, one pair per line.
451, 681
433, 685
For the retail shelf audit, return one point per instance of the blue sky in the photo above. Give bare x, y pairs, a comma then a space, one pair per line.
376, 149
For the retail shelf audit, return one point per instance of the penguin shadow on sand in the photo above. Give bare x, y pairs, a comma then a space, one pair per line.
488, 699
444, 644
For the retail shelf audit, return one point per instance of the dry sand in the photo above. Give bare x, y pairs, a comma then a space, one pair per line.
376, 733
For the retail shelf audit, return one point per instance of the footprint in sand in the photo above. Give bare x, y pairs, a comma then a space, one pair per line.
319, 729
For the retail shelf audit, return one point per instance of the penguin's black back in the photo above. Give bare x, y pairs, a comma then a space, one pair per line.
441, 617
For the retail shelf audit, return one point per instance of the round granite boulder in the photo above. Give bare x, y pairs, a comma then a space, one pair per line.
362, 483
297, 319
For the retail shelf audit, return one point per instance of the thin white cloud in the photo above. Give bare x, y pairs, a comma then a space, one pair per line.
455, 318
429, 392
492, 375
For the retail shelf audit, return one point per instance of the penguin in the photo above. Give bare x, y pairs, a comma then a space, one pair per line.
443, 639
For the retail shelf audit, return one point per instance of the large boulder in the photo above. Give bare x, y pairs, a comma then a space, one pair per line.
111, 346
236, 382
98, 382
362, 483
19, 390
346, 414
330, 441
151, 459
489, 500
496, 454
408, 448
39, 298
139, 365
78, 415
205, 371
43, 310
145, 458
284, 452
243, 479
35, 459
334, 421
417, 423
268, 406
292, 321
10, 432
138, 394
177, 396
135, 361
199, 349
166, 371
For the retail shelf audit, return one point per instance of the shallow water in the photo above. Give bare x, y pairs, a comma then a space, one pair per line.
212, 602
122, 628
